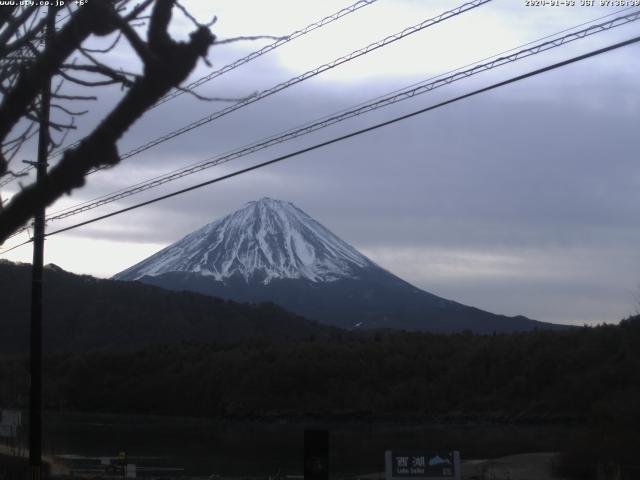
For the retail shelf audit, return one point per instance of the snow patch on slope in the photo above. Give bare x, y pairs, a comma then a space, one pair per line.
265, 240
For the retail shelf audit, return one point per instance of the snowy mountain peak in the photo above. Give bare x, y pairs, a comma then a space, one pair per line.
265, 240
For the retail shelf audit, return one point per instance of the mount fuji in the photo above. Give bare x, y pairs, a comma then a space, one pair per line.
271, 251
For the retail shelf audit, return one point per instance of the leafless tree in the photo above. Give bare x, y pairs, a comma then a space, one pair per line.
27, 62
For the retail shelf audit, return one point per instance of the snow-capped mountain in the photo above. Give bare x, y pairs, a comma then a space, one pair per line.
270, 250
265, 240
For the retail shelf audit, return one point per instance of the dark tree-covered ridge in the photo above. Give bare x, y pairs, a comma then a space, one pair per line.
83, 313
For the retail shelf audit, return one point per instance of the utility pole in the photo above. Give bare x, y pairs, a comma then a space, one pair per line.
35, 390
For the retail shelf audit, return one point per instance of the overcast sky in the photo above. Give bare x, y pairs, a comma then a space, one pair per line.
524, 200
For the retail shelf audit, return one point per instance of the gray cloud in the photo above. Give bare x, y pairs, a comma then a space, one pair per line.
523, 200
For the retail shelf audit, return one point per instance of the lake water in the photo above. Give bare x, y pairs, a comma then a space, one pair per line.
260, 448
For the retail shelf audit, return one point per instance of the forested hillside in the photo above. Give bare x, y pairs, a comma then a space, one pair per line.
579, 374
83, 313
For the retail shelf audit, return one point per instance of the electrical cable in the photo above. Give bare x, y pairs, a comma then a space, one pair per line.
384, 101
227, 68
268, 48
300, 78
357, 132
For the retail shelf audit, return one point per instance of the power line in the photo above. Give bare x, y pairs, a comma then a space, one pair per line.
18, 174
384, 101
358, 132
347, 136
252, 56
360, 109
232, 66
268, 48
326, 117
16, 246
305, 76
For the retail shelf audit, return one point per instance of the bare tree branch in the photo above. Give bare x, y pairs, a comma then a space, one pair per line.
72, 113
6, 14
137, 10
172, 63
116, 77
29, 36
13, 24
106, 49
134, 40
31, 80
73, 97
21, 173
21, 136
86, 83
51, 124
214, 99
53, 144
187, 14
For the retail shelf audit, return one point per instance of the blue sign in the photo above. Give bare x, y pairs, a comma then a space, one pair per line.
434, 465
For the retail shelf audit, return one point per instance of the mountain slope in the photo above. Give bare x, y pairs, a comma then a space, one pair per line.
271, 250
266, 240
83, 313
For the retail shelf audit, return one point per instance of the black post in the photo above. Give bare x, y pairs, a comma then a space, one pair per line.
35, 393
316, 455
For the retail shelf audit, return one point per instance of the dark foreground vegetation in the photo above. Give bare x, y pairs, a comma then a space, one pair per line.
269, 364
579, 374
17, 468
589, 377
